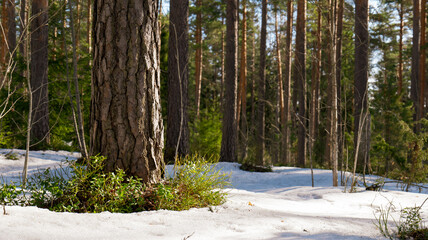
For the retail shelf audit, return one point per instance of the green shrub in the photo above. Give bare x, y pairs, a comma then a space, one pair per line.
10, 195
88, 188
409, 226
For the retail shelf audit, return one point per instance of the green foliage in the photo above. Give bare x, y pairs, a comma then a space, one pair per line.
196, 183
206, 135
409, 226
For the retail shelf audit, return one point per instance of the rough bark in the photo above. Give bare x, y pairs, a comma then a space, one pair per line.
126, 121
300, 81
177, 135
261, 90
287, 85
361, 114
198, 56
39, 71
222, 69
422, 61
340, 125
228, 141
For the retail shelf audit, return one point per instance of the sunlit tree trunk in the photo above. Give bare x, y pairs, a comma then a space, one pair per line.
280, 101
198, 56
287, 85
126, 121
415, 87
422, 61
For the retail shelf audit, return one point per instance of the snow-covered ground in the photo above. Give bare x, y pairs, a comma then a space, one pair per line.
277, 205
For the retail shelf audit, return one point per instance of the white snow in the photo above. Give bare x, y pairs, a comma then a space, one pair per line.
277, 205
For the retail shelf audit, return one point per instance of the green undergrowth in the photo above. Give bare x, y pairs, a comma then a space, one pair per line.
87, 188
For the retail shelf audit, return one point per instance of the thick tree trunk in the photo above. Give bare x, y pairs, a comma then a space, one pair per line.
300, 81
287, 86
261, 90
361, 114
177, 135
228, 141
126, 121
39, 71
198, 57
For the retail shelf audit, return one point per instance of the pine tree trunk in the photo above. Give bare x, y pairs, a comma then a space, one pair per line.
280, 102
422, 61
177, 135
300, 81
39, 71
332, 91
11, 28
316, 67
126, 121
287, 86
414, 93
198, 57
261, 90
253, 82
3, 38
242, 97
361, 114
400, 49
222, 69
340, 125
228, 141
89, 28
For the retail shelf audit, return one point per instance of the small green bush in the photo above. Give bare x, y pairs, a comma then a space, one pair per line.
10, 195
409, 226
195, 183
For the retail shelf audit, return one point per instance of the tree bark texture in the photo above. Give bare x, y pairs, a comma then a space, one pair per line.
340, 125
422, 61
400, 48
22, 27
3, 37
261, 106
11, 26
229, 138
39, 71
177, 135
361, 114
126, 121
287, 86
300, 81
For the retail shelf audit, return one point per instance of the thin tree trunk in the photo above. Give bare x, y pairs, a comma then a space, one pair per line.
78, 9
198, 57
229, 137
422, 61
253, 82
242, 97
22, 28
3, 37
126, 120
280, 101
261, 90
316, 67
39, 71
340, 126
222, 68
400, 49
332, 91
89, 28
287, 85
27, 45
414, 94
81, 130
177, 136
300, 81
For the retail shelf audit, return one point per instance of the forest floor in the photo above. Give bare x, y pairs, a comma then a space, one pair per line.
275, 205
